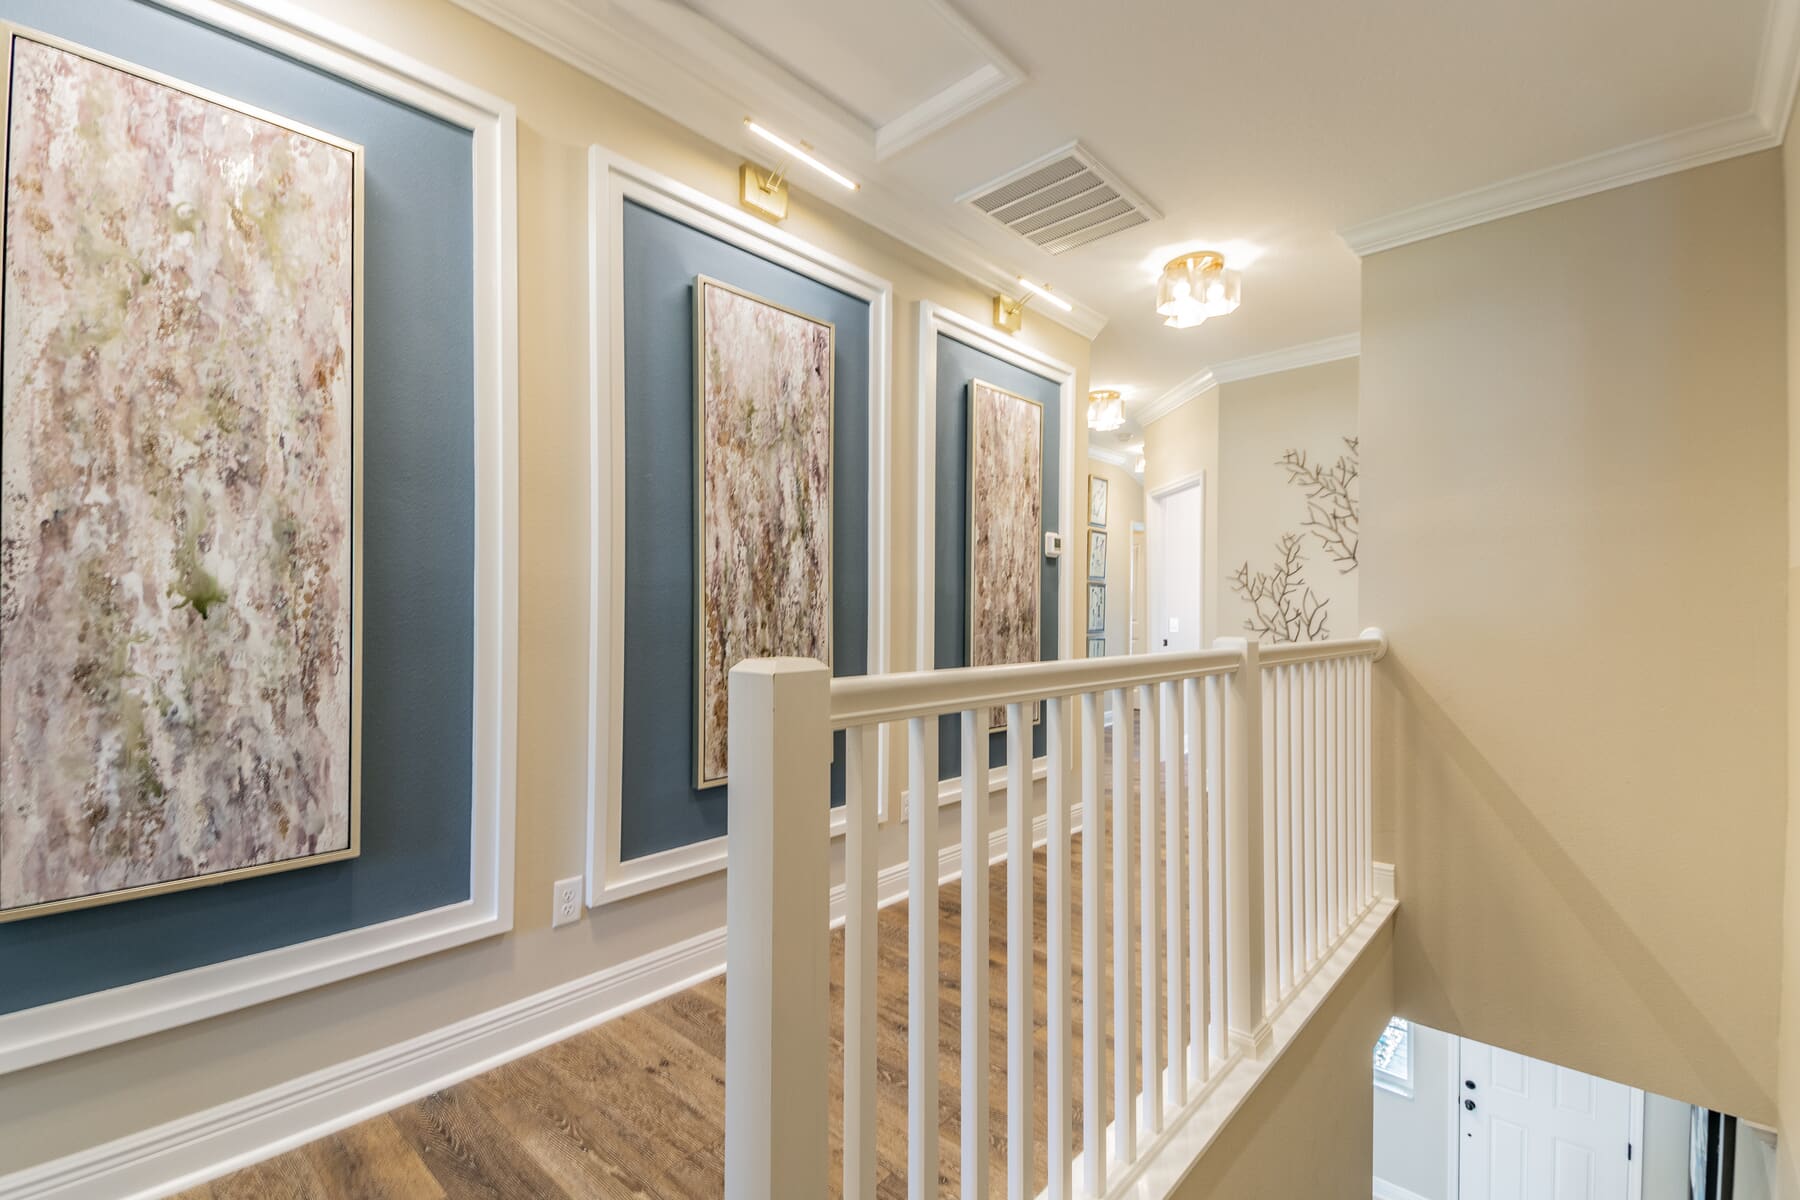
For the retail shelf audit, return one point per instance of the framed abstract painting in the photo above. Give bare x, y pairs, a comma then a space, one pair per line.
1096, 647
1096, 608
1097, 487
1096, 549
180, 486
1006, 523
763, 516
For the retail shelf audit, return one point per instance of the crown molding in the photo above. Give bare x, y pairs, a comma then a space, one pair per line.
1117, 458
692, 71
1762, 127
1288, 358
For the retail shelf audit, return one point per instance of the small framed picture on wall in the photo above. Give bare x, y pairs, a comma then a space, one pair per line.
1096, 554
1096, 647
1096, 608
1097, 500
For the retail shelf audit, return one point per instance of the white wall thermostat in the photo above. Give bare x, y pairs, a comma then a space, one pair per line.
1053, 545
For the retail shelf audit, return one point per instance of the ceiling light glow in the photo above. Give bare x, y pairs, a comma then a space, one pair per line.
1043, 293
1196, 286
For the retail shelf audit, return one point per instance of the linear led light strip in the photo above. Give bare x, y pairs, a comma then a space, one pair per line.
789, 148
1043, 293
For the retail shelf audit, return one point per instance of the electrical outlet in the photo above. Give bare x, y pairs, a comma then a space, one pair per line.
565, 902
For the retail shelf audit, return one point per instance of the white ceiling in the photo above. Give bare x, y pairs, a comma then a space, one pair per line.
1270, 130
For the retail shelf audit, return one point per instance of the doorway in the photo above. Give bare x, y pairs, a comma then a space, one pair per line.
1136, 600
1175, 516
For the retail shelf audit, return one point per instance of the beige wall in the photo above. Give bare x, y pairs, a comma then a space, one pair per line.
1304, 1130
1312, 409
1182, 444
1125, 504
62, 1107
1574, 500
1789, 1051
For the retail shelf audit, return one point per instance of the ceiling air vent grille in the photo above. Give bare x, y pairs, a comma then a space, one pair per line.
1063, 200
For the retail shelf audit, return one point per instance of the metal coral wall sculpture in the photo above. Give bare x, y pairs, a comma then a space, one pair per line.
1332, 509
1282, 607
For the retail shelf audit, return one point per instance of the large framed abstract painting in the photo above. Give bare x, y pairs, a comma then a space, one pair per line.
180, 476
1006, 522
763, 516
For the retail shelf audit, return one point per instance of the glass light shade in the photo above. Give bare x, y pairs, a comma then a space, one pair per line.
1106, 411
1197, 286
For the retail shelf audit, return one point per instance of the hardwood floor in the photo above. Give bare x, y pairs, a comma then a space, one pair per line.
635, 1108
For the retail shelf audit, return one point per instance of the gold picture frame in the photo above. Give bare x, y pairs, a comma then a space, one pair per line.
702, 780
15, 33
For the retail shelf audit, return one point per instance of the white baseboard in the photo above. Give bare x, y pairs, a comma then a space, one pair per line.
1393, 1191
192, 1150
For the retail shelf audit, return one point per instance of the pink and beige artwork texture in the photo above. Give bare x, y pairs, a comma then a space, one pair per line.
177, 525
764, 514
1006, 521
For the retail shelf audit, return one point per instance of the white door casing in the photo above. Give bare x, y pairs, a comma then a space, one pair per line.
1531, 1130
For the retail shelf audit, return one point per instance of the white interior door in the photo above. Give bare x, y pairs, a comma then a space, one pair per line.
1136, 600
1530, 1130
1176, 533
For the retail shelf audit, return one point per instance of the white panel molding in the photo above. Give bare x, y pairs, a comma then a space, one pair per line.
690, 70
993, 79
1117, 458
192, 1150
934, 319
79, 1024
1288, 358
612, 181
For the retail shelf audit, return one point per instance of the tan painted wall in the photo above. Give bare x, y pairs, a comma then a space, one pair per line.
62, 1107
1125, 504
1304, 1130
1788, 1164
1181, 444
1574, 500
1311, 409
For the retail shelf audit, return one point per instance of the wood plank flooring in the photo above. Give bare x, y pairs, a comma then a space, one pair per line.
635, 1108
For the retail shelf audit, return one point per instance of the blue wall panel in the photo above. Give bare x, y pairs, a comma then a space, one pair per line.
660, 808
957, 365
418, 536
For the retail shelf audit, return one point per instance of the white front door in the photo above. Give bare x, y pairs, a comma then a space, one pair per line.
1533, 1131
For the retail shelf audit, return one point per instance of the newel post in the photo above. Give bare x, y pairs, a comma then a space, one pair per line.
777, 950
1245, 961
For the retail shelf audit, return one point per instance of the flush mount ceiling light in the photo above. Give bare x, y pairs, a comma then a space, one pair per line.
1106, 411
1196, 286
801, 152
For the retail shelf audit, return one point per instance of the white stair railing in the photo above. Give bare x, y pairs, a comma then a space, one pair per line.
1249, 812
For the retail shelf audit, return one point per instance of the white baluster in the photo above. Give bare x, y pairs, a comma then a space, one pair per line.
1058, 986
861, 869
1176, 1014
777, 949
1219, 930
1124, 1005
1309, 859
1199, 912
1149, 926
1021, 1048
1265, 812
975, 1074
1244, 855
1296, 737
1368, 790
1279, 733
922, 960
1334, 850
1093, 977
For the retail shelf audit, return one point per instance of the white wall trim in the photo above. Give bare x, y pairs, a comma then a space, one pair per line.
191, 1150
83, 1023
1385, 886
1117, 458
934, 319
680, 64
1393, 1191
1288, 358
612, 181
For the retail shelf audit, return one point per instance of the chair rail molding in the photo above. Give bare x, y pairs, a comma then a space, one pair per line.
51, 1031
612, 180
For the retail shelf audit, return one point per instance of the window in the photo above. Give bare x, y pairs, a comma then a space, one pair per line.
1393, 1058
